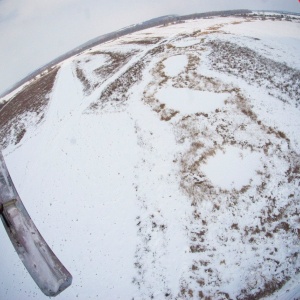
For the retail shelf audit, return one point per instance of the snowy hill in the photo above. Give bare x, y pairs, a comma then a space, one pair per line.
164, 164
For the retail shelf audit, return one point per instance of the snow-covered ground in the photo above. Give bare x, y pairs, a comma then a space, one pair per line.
188, 101
238, 168
175, 64
155, 171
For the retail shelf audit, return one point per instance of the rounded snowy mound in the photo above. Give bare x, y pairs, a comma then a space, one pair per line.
164, 164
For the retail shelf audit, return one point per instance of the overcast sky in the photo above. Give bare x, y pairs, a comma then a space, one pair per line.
34, 32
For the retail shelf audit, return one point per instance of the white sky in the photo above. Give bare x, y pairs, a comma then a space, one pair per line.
32, 33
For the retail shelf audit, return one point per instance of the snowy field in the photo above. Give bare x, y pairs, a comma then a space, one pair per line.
159, 166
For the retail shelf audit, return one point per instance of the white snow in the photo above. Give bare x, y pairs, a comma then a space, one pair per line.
105, 187
188, 101
92, 62
232, 167
90, 204
175, 64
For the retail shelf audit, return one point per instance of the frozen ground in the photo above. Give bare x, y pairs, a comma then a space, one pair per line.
159, 166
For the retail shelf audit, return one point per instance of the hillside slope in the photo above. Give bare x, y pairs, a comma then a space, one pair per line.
164, 164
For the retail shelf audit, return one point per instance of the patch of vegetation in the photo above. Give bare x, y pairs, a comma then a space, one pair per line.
115, 94
280, 80
145, 41
20, 135
30, 102
116, 61
85, 82
268, 289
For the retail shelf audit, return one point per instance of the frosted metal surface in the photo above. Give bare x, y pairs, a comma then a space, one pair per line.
42, 264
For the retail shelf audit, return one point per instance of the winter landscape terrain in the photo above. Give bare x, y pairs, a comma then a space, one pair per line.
164, 164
